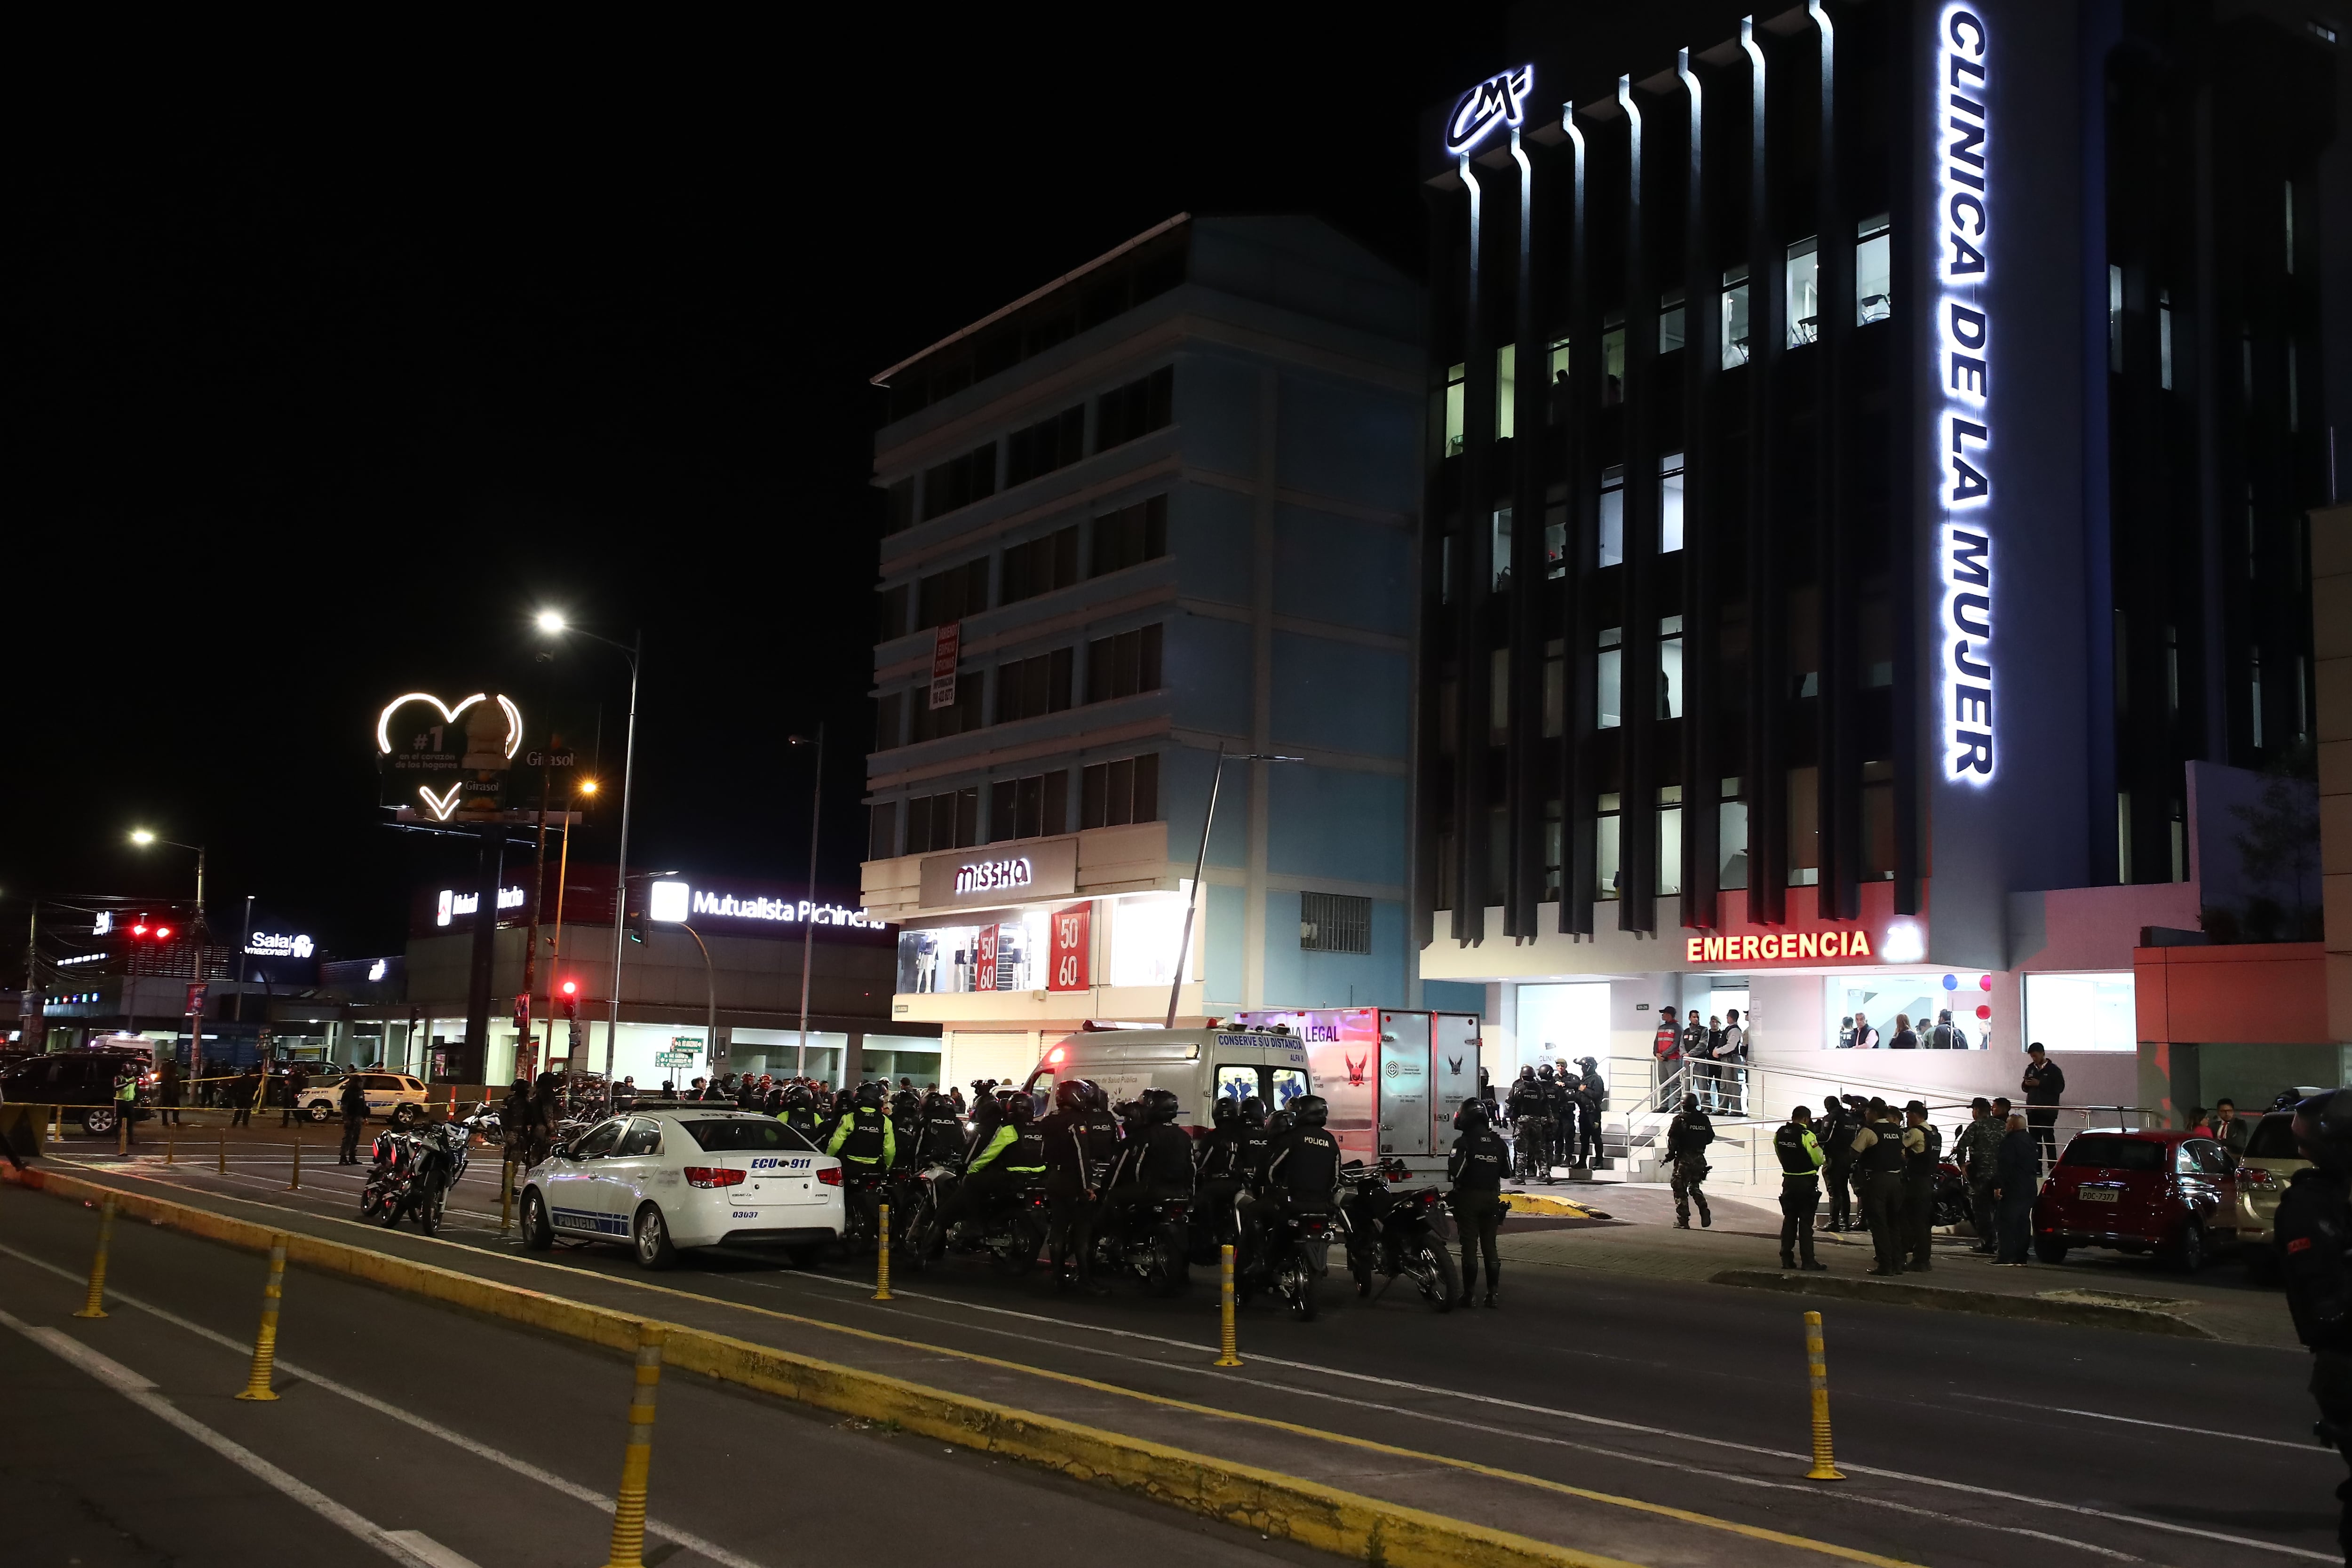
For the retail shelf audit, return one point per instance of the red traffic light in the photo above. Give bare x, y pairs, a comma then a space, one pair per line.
139, 930
571, 988
163, 933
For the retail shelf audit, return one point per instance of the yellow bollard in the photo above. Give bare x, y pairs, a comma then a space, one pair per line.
629, 1504
95, 1307
56, 1123
224, 1155
296, 1184
882, 1258
1226, 1355
506, 1196
265, 1343
1817, 1367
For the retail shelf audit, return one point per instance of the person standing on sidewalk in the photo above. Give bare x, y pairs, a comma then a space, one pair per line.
2045, 1091
1731, 1065
244, 1094
352, 1101
1923, 1151
1802, 1160
167, 1092
1838, 1128
1687, 1136
1976, 1152
1878, 1169
126, 1102
1475, 1170
2015, 1175
298, 1079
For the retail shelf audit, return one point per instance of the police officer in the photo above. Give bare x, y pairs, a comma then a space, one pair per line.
1156, 1161
1687, 1136
1530, 1126
1923, 1151
1840, 1122
939, 1137
865, 1141
2314, 1230
1878, 1169
351, 1099
1222, 1179
800, 1111
1591, 1100
1303, 1177
1476, 1167
1801, 1159
1082, 1144
1977, 1151
1555, 1108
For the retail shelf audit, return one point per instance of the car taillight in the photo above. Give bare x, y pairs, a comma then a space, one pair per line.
713, 1176
830, 1177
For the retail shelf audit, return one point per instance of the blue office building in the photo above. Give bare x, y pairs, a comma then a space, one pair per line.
1162, 508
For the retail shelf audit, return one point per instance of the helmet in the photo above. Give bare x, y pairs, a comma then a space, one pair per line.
1690, 1103
1226, 1111
936, 1105
1073, 1094
845, 1100
2322, 1128
799, 1098
1020, 1111
1253, 1113
1310, 1109
1472, 1117
1526, 1073
1158, 1106
1544, 1072
1095, 1097
869, 1094
1587, 1063
1281, 1121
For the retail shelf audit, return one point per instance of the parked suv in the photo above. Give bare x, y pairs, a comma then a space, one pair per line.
74, 1079
2270, 1161
2139, 1192
392, 1096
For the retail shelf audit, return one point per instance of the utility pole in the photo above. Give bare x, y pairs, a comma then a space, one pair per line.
538, 897
621, 870
808, 915
32, 1016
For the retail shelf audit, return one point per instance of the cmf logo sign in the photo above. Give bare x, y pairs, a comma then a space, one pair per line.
1500, 99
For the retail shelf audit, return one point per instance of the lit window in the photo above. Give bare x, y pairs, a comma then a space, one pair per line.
1670, 323
1501, 547
1804, 292
1873, 270
1612, 362
1670, 667
1612, 515
1735, 318
1605, 878
1731, 838
1611, 666
1556, 541
1506, 392
1670, 502
2115, 317
1555, 689
1453, 411
2164, 338
1670, 840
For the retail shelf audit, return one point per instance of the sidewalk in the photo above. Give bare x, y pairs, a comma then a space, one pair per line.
1745, 1240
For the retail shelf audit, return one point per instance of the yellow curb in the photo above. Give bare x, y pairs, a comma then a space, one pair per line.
977, 1423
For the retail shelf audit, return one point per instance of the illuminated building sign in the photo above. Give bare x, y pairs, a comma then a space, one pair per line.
1500, 99
103, 924
1038, 870
996, 876
1902, 942
469, 757
452, 903
679, 902
1963, 216
277, 944
82, 958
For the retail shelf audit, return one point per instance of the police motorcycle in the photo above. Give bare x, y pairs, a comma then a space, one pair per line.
1149, 1238
414, 1173
1295, 1242
1010, 1232
1396, 1233
483, 1123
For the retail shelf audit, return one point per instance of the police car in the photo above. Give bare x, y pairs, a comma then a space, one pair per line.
671, 1176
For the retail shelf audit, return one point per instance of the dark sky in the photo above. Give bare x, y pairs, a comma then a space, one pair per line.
330, 362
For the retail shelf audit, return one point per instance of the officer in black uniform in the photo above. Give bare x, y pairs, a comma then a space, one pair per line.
800, 1111
1530, 1126
1836, 1131
353, 1101
1919, 1164
2313, 1231
1688, 1137
1476, 1168
1878, 1176
1301, 1174
1082, 1142
1156, 1160
1591, 1100
1800, 1157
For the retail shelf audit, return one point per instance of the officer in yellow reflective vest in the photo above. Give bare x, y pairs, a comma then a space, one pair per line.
1801, 1187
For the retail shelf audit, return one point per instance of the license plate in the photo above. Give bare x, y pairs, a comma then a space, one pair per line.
2095, 1195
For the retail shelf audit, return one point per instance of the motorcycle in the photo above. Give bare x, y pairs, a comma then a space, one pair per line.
1149, 1240
484, 1124
1297, 1255
1952, 1205
862, 1192
1395, 1233
1012, 1236
413, 1175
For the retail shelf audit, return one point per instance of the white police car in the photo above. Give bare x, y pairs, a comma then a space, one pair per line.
673, 1174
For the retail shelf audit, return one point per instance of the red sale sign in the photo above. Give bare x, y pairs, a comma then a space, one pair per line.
1071, 930
985, 964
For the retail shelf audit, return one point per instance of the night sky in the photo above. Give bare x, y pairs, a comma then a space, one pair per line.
317, 394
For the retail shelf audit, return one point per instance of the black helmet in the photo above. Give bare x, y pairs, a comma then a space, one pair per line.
1020, 1111
799, 1098
1544, 1072
936, 1105
1073, 1094
1226, 1110
1690, 1103
1472, 1117
1310, 1109
1527, 1072
1254, 1111
2322, 1128
1158, 1106
1282, 1120
1096, 1096
1588, 1062
869, 1094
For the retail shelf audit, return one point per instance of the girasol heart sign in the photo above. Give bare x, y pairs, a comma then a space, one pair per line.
447, 762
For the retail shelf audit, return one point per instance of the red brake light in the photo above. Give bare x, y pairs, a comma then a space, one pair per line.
713, 1176
831, 1176
163, 933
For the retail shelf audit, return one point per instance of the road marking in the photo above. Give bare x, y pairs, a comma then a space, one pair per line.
426, 1550
1786, 1456
139, 1392
573, 1490
2311, 1448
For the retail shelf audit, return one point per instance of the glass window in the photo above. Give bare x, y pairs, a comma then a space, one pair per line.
1873, 270
2083, 1012
1552, 845
1501, 547
1498, 695
1670, 503
738, 1134
1290, 1083
1669, 844
643, 1138
1670, 667
2106, 1152
1612, 515
2115, 317
1612, 362
1881, 998
1144, 931
2164, 338
1604, 847
1453, 378
1731, 843
1735, 318
1804, 292
1612, 667
1506, 392
1804, 836
1127, 537
601, 1140
1559, 361
1556, 541
1237, 1083
1335, 922
1555, 689
1135, 409
1010, 955
1671, 322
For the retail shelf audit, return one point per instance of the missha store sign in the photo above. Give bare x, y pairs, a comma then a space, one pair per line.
991, 876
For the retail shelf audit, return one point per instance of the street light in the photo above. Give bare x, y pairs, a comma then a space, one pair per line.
554, 624
143, 838
1201, 861
709, 979
808, 921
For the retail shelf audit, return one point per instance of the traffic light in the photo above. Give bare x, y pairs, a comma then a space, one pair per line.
567, 999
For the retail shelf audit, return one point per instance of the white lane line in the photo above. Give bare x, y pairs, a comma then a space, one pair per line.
2312, 1449
139, 1392
426, 1550
1602, 1421
573, 1490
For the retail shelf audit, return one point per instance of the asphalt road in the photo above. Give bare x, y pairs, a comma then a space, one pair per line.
412, 1434
1967, 1440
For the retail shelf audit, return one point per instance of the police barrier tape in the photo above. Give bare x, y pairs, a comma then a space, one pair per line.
1284, 1507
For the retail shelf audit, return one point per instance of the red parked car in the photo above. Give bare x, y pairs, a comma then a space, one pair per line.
2161, 1192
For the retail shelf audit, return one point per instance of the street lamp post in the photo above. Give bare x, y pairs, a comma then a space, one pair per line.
808, 916
555, 626
197, 932
555, 942
1201, 861
710, 990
